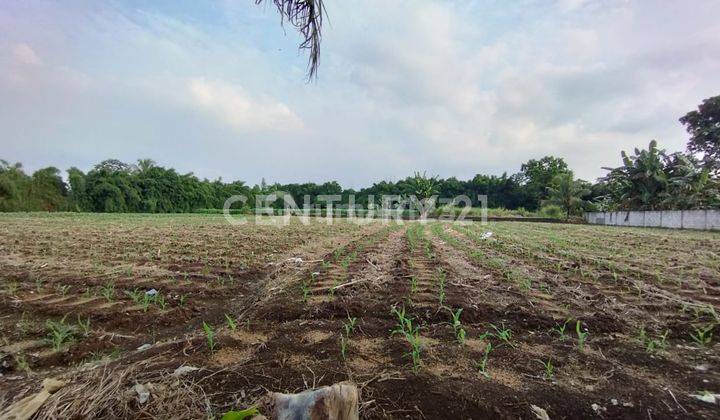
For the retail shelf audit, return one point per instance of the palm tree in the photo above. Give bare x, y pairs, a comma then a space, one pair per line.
642, 178
567, 193
144, 165
306, 16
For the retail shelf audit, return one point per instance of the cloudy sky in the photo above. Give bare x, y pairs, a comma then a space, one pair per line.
454, 88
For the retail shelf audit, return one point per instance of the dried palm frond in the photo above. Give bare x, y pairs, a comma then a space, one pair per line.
306, 16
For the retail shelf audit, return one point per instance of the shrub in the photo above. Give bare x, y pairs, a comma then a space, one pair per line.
553, 211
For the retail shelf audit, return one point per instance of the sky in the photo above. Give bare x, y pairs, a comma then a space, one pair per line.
453, 88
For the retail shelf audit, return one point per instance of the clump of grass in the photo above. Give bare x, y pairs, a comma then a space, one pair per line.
209, 336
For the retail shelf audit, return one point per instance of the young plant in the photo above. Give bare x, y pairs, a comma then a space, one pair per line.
560, 329
59, 332
232, 324
457, 326
549, 368
482, 364
350, 325
343, 346
108, 291
305, 288
160, 301
413, 284
182, 299
209, 336
136, 295
411, 334
703, 336
84, 326
503, 334
441, 286
582, 335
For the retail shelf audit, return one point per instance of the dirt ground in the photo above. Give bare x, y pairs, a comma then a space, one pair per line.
578, 321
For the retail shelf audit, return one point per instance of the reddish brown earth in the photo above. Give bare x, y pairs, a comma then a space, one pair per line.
278, 285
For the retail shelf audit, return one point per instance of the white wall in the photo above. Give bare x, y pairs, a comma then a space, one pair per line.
673, 219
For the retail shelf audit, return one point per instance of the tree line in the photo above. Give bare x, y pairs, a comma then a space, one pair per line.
648, 179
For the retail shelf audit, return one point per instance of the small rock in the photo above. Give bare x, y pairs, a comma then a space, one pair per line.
151, 292
486, 235
144, 347
598, 409
701, 368
614, 401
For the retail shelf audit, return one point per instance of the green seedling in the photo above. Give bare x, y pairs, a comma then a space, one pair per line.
350, 325
582, 335
703, 336
413, 284
343, 346
503, 334
108, 291
549, 369
84, 326
59, 332
482, 364
561, 329
209, 336
457, 326
160, 301
136, 295
232, 324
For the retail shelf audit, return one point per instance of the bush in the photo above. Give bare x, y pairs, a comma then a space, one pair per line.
552, 211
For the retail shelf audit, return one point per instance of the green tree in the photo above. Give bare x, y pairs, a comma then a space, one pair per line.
703, 125
537, 176
567, 193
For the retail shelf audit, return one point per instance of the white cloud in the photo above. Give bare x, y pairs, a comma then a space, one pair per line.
25, 55
232, 105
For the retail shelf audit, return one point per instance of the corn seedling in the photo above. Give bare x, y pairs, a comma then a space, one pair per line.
22, 363
209, 336
136, 295
59, 332
703, 336
503, 334
413, 284
560, 329
62, 289
482, 364
412, 336
160, 301
457, 326
11, 287
182, 299
549, 368
84, 326
343, 346
441, 285
305, 289
350, 325
232, 324
108, 291
582, 335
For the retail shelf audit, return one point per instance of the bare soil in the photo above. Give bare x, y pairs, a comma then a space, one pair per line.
640, 295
